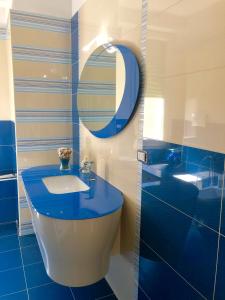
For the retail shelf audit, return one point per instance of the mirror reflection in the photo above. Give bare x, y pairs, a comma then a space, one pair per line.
101, 87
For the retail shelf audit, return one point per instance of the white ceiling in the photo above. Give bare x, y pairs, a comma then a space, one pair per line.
57, 8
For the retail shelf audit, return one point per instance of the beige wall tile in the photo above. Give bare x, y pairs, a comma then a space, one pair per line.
185, 55
7, 111
40, 38
43, 130
38, 158
42, 101
115, 158
42, 70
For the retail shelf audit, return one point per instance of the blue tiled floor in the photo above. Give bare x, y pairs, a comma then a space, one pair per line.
23, 276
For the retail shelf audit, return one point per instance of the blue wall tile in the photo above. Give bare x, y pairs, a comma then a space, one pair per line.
16, 296
94, 291
9, 206
7, 133
12, 281
220, 287
184, 244
8, 201
180, 222
161, 282
7, 160
8, 209
9, 243
51, 291
223, 209
36, 275
8, 188
10, 259
8, 230
31, 255
201, 198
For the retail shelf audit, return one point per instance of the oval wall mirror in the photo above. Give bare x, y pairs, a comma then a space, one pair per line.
108, 90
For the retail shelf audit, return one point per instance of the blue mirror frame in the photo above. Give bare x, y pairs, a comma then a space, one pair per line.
129, 99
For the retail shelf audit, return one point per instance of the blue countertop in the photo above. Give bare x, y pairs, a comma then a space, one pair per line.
101, 199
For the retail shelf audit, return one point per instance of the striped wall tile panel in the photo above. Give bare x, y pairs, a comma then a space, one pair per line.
26, 145
42, 86
47, 23
43, 116
101, 61
90, 88
42, 68
23, 202
4, 34
29, 53
26, 228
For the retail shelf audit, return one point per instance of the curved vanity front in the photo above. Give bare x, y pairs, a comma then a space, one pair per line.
75, 229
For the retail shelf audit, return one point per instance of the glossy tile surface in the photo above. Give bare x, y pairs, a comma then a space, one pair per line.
189, 179
183, 181
30, 278
8, 188
8, 200
99, 200
188, 250
185, 71
182, 188
158, 281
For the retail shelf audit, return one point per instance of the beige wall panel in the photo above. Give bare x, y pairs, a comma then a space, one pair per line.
25, 214
40, 38
42, 101
38, 158
46, 71
43, 130
185, 55
7, 111
115, 158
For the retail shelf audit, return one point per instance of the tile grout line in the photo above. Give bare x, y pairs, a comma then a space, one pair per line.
38, 286
11, 250
143, 291
105, 297
5, 295
72, 293
173, 207
219, 236
185, 280
24, 274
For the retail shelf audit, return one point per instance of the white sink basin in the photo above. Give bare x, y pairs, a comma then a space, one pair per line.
64, 184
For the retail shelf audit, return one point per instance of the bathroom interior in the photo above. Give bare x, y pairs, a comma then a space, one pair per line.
112, 150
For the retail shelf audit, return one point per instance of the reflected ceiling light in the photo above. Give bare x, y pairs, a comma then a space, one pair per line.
187, 177
109, 48
100, 39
